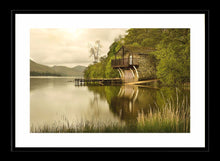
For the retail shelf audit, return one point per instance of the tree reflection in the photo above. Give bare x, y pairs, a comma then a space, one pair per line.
126, 102
94, 104
130, 101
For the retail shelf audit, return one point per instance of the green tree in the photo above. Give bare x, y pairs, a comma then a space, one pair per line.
173, 53
172, 50
103, 68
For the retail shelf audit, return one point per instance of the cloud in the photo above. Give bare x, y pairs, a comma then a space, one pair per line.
69, 46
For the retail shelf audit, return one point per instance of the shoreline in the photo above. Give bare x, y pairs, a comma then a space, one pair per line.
54, 77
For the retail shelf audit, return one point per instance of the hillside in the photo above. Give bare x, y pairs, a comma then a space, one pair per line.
43, 70
65, 71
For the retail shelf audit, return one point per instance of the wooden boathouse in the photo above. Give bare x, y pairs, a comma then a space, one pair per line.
135, 64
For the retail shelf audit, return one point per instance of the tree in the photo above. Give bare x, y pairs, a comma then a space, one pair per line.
95, 50
173, 53
143, 37
172, 50
103, 68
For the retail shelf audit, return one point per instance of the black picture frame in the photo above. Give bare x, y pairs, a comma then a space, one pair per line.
110, 149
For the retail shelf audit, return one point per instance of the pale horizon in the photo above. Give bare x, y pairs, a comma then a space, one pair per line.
69, 46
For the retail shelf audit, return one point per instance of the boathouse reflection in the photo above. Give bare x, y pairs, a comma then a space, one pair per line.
127, 101
131, 100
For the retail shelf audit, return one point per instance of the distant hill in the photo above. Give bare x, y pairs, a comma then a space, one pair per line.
65, 71
43, 70
79, 68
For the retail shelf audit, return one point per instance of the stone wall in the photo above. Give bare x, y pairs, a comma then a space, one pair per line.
147, 66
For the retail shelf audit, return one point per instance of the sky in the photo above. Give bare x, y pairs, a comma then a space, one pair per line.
69, 46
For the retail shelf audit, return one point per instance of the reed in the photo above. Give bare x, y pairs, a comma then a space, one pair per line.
172, 116
83, 127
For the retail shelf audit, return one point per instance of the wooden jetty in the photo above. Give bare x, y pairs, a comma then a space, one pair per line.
142, 82
109, 81
97, 81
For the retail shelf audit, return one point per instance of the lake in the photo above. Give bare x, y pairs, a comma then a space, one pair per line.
57, 105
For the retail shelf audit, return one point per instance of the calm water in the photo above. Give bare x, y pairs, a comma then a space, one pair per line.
55, 100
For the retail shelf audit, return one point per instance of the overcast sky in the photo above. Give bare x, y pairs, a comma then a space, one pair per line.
69, 47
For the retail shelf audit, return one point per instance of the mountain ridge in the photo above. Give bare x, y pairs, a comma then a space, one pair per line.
37, 69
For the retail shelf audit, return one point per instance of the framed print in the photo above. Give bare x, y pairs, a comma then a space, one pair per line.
110, 81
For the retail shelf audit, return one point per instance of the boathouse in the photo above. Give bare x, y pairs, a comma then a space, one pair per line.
135, 63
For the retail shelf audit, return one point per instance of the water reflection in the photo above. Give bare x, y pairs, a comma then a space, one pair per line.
51, 98
50, 82
131, 100
126, 102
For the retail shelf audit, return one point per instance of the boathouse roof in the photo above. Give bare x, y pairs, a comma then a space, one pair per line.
134, 50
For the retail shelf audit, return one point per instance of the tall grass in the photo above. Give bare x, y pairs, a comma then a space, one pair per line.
82, 127
172, 116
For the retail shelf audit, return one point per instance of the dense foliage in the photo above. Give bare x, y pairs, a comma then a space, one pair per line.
103, 69
172, 49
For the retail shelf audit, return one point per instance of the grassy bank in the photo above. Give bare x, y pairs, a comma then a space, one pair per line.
83, 127
171, 117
